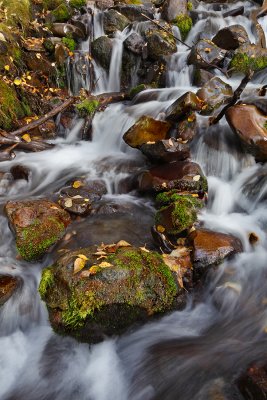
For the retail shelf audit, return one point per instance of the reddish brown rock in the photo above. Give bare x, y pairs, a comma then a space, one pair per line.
8, 285
181, 175
211, 248
165, 151
146, 129
38, 224
253, 384
251, 127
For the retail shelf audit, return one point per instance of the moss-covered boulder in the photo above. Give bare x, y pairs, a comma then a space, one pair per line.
184, 23
17, 13
11, 108
114, 21
179, 214
38, 224
102, 50
249, 57
60, 14
146, 129
89, 298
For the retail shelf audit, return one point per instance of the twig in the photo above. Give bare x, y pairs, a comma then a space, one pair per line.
236, 96
166, 30
41, 120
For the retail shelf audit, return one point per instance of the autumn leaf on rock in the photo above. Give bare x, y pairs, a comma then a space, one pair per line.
174, 266
105, 264
77, 184
144, 249
83, 257
79, 264
68, 203
26, 137
123, 243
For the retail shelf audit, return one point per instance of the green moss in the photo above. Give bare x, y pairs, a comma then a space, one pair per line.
69, 43
143, 267
17, 12
61, 13
182, 210
189, 6
10, 106
137, 89
34, 240
184, 23
87, 107
81, 308
77, 3
265, 125
52, 4
47, 280
242, 62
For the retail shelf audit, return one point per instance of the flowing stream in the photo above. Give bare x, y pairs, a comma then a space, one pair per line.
189, 355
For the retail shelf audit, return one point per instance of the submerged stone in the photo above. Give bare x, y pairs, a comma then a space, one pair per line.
38, 224
106, 297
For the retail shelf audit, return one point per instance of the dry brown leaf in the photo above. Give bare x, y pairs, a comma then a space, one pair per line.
77, 197
68, 203
79, 264
100, 253
196, 178
144, 249
85, 274
170, 142
123, 243
174, 266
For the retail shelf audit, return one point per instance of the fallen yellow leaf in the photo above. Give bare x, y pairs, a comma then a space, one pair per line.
79, 264
7, 67
160, 228
68, 203
26, 137
17, 81
123, 243
83, 257
105, 264
77, 184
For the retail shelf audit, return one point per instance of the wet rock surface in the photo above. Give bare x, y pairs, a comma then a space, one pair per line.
251, 127
183, 105
106, 297
8, 286
146, 129
253, 384
205, 54
231, 38
102, 50
214, 94
38, 224
181, 175
165, 151
211, 248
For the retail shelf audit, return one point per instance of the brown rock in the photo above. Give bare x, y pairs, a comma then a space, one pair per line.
231, 37
214, 94
181, 175
146, 129
253, 384
61, 54
205, 53
251, 127
38, 224
166, 151
185, 104
187, 128
211, 248
20, 172
8, 285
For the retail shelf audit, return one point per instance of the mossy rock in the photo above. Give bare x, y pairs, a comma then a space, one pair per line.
179, 214
102, 51
77, 3
87, 107
38, 224
106, 298
17, 13
61, 13
52, 4
249, 58
10, 107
